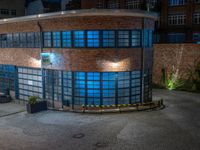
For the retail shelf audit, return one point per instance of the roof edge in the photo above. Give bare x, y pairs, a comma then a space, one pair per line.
84, 12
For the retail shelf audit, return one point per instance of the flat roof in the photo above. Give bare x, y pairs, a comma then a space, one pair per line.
84, 12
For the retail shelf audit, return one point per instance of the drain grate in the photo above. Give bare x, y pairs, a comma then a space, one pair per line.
101, 145
78, 136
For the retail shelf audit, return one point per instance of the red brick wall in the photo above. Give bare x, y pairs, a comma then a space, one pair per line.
78, 59
178, 57
80, 23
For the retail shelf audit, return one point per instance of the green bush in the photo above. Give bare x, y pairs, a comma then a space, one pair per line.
32, 100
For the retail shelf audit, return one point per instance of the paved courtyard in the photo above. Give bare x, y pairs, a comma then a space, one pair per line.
177, 127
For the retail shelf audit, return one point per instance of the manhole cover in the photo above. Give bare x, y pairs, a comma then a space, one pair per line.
78, 136
101, 145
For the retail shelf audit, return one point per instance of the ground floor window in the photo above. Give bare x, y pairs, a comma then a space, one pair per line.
65, 88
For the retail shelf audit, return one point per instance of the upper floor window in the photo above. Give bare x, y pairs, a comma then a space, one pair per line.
196, 18
153, 3
9, 40
136, 38
56, 39
4, 11
123, 38
23, 40
108, 38
100, 4
177, 2
150, 38
176, 37
133, 4
113, 4
30, 39
176, 19
3, 38
79, 39
66, 39
13, 12
93, 38
16, 41
146, 38
47, 39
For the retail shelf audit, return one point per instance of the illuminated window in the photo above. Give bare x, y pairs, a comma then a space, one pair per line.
79, 39
176, 19
136, 38
93, 38
176, 37
177, 2
30, 39
66, 39
123, 38
22, 37
47, 39
196, 37
133, 4
196, 18
56, 39
108, 38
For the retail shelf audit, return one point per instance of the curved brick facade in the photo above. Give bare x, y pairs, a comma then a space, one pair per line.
120, 60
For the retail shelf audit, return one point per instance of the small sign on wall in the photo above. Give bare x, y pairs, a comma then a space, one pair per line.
46, 58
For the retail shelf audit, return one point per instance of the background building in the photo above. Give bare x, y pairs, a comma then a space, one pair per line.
179, 22
14, 8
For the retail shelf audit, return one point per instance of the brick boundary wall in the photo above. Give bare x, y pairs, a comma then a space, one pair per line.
177, 57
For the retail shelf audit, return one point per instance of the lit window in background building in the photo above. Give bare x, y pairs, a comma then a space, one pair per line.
176, 19
177, 2
196, 18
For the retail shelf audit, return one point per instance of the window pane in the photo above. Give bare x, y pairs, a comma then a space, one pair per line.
66, 39
79, 39
93, 38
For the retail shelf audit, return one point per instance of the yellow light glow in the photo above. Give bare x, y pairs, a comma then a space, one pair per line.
121, 65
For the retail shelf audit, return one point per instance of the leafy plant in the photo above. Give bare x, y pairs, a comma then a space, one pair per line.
173, 82
32, 100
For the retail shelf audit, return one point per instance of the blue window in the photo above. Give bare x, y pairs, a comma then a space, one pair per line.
176, 37
146, 38
108, 38
79, 39
150, 38
47, 39
56, 39
196, 37
176, 2
66, 39
123, 38
93, 38
80, 75
136, 39
16, 41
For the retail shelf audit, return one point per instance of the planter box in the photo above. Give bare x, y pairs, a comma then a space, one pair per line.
39, 106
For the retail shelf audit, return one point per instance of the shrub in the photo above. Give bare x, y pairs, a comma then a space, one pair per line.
32, 100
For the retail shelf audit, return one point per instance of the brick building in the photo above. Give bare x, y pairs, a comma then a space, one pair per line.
8, 10
179, 22
74, 58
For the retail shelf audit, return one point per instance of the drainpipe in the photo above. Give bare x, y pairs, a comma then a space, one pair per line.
143, 59
41, 50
